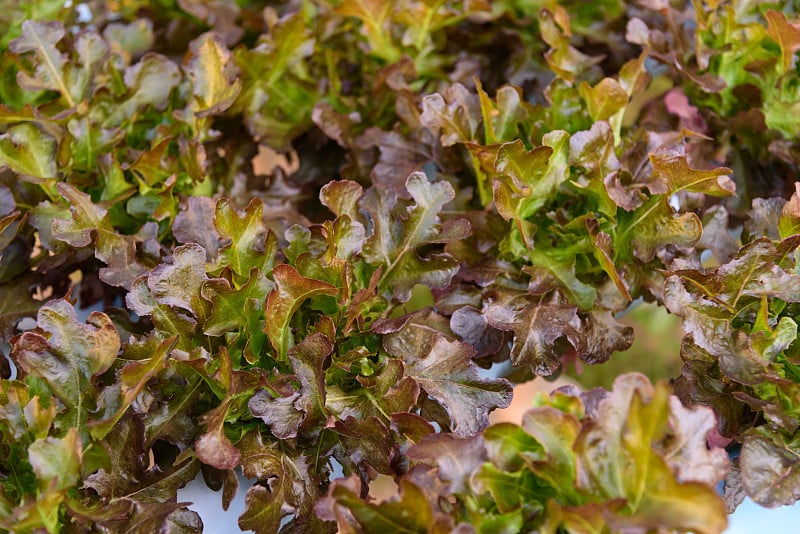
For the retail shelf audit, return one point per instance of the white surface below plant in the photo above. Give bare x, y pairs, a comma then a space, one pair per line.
208, 504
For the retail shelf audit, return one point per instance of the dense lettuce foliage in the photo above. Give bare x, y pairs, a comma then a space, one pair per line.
452, 186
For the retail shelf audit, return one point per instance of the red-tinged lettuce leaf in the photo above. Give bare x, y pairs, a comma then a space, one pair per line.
16, 303
86, 219
246, 242
305, 410
170, 417
708, 302
15, 249
457, 458
687, 452
537, 327
397, 235
338, 126
381, 395
234, 387
672, 173
239, 311
604, 254
221, 16
764, 218
769, 469
604, 336
502, 119
752, 361
789, 222
702, 382
654, 225
92, 52
213, 447
171, 296
29, 152
264, 506
195, 224
403, 512
736, 361
785, 34
411, 426
41, 218
503, 116
474, 329
24, 417
733, 491
341, 197
550, 455
554, 267
327, 510
57, 461
133, 377
291, 291
150, 83
215, 82
68, 355
126, 487
365, 306
178, 285
279, 413
344, 238
510, 447
738, 351
409, 512
564, 59
7, 202
41, 39
90, 224
166, 517
227, 481
593, 150
604, 99
586, 519
126, 457
454, 115
716, 237
525, 183
110, 139
366, 447
278, 95
283, 498
629, 421
678, 104
445, 371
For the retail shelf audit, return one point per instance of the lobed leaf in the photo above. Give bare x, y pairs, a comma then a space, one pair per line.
282, 302
446, 373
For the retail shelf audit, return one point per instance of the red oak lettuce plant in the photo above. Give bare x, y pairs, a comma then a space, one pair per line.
465, 185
